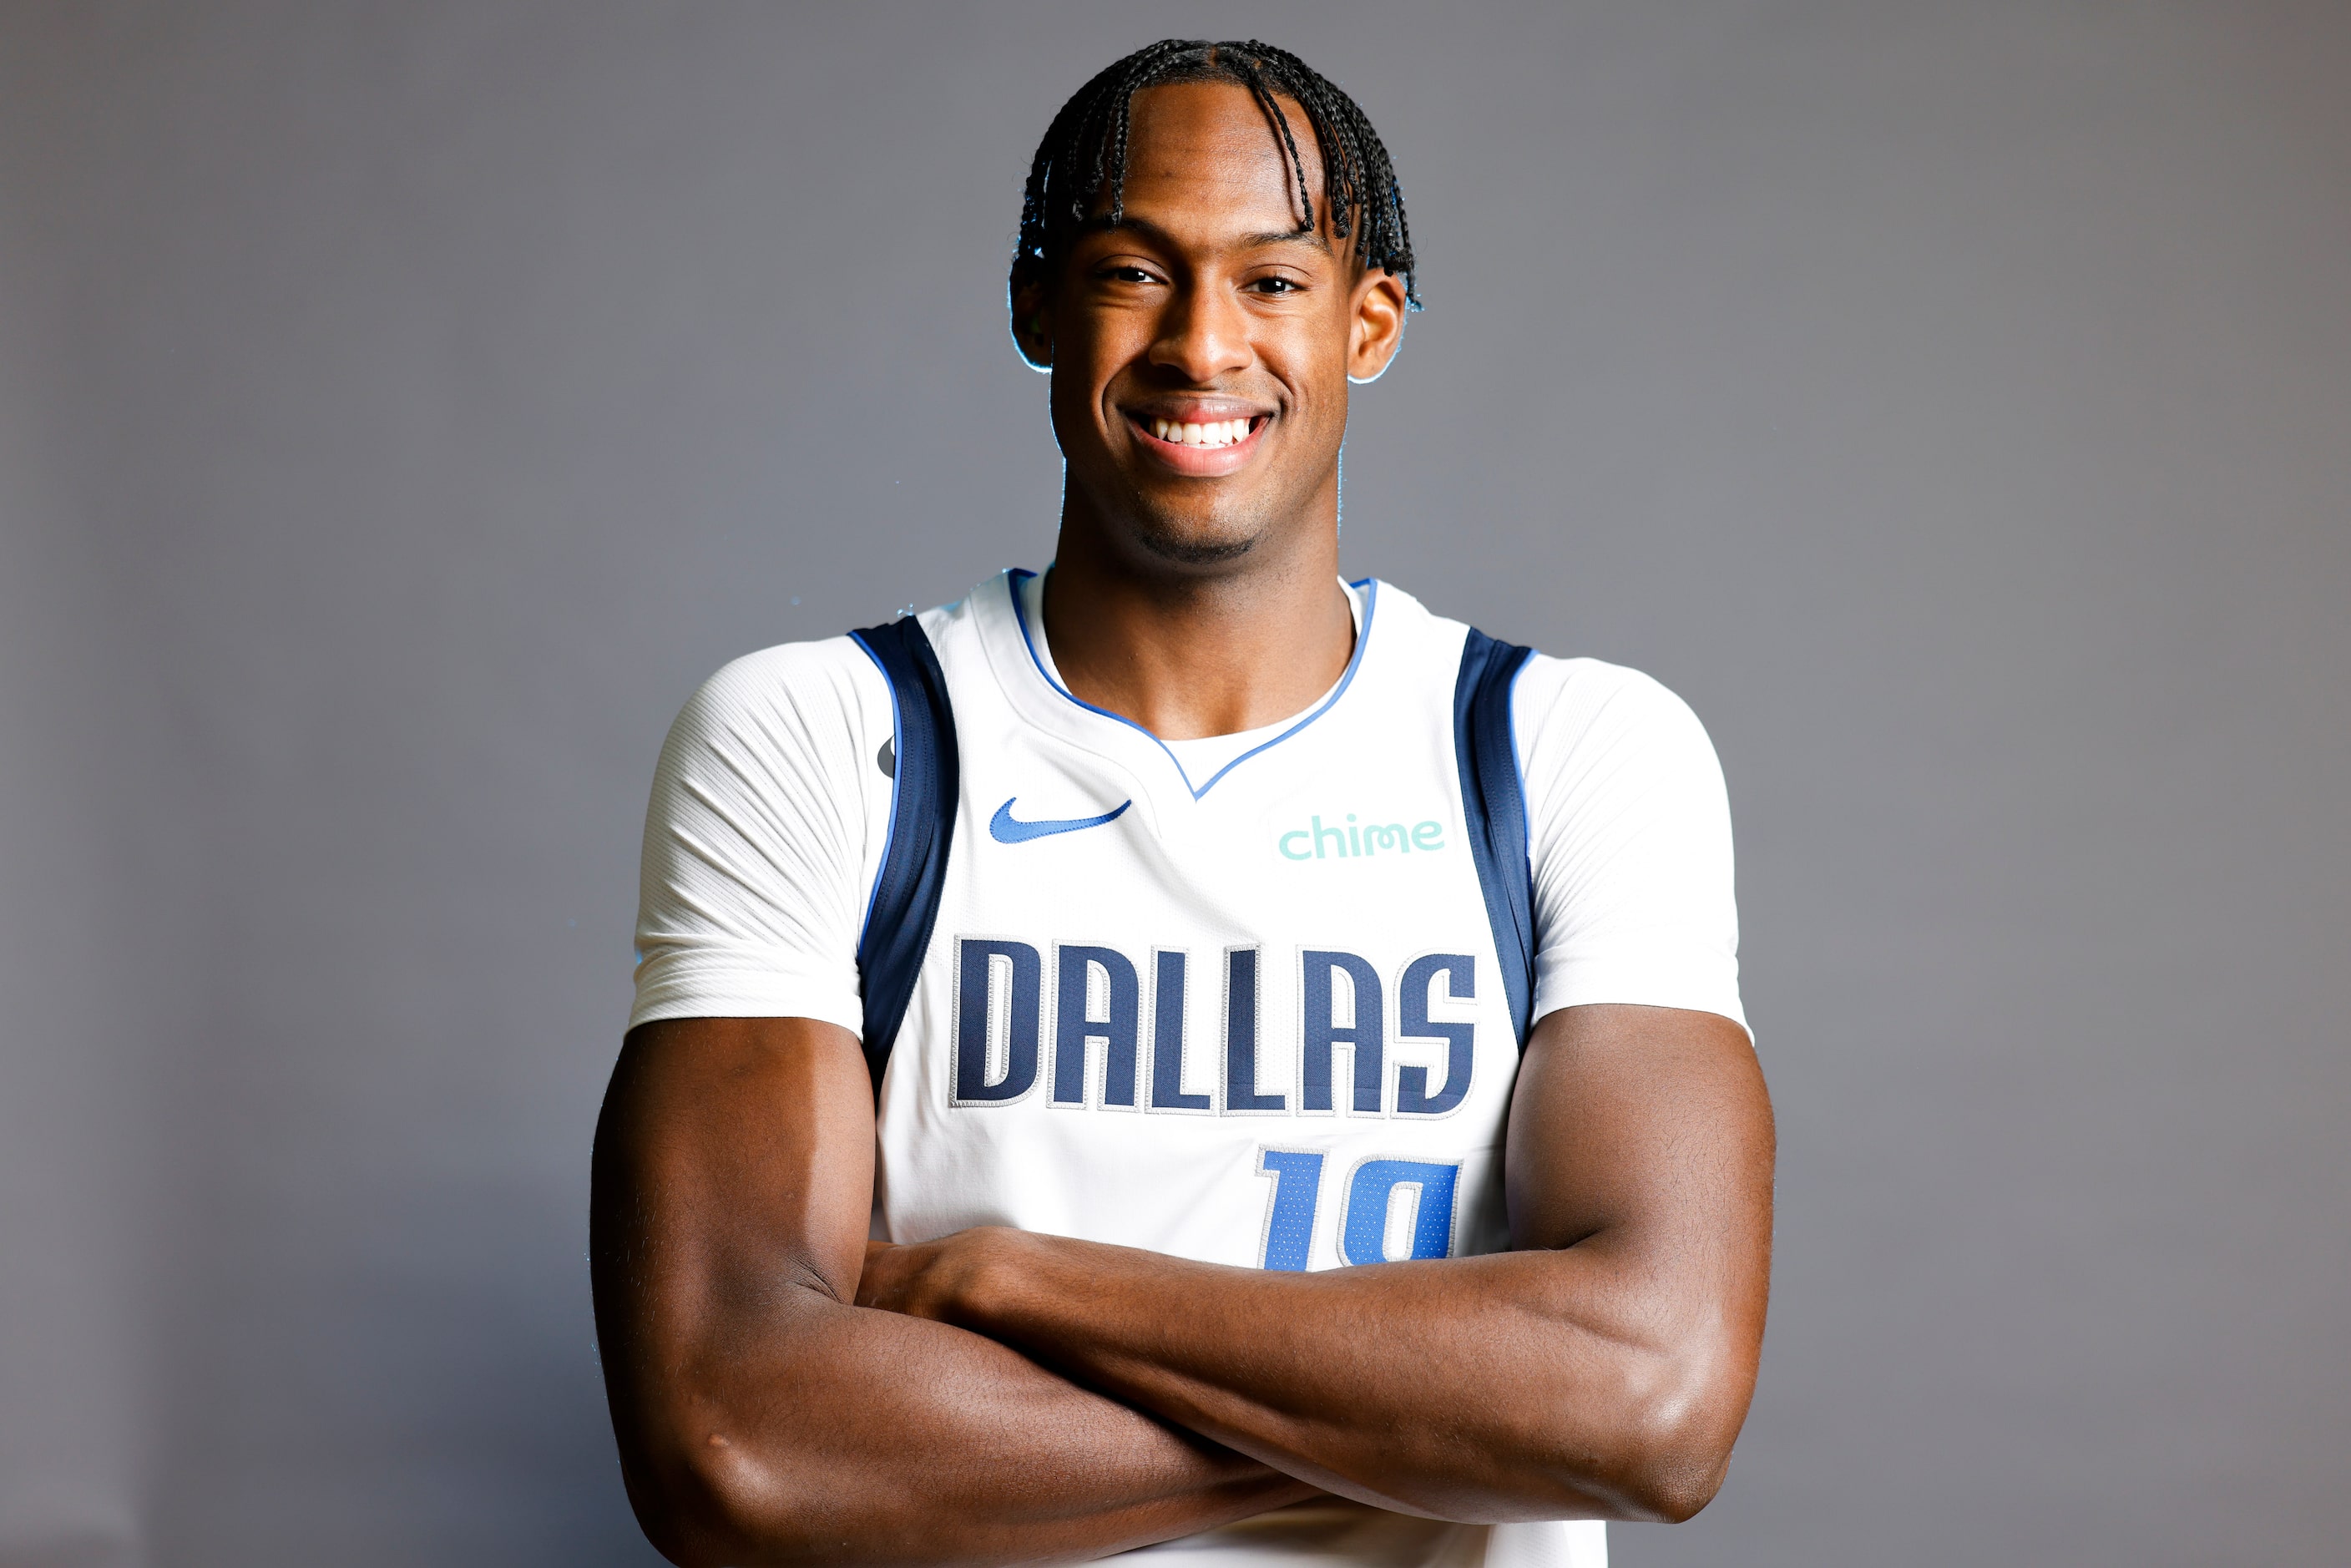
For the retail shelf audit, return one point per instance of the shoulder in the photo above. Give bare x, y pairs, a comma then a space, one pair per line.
1629, 841
1554, 702
796, 686
1597, 740
1580, 725
1618, 773
1583, 702
833, 672
766, 808
776, 717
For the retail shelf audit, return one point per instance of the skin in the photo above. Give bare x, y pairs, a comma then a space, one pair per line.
763, 1417
784, 1390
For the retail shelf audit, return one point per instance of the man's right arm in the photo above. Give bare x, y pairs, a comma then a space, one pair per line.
762, 1416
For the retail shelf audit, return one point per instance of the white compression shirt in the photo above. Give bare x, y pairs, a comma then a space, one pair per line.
769, 816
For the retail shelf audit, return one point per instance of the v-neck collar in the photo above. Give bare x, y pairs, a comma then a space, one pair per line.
1011, 639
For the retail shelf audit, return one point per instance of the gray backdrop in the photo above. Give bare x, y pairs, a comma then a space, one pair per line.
402, 406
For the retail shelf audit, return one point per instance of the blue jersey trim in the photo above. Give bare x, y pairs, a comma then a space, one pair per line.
1526, 810
1355, 661
1494, 809
897, 773
904, 905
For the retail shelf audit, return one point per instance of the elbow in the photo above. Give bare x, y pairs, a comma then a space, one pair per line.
710, 1504
1676, 1439
1674, 1486
1657, 1453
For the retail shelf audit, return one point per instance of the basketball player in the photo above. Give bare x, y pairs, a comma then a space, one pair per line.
1183, 1051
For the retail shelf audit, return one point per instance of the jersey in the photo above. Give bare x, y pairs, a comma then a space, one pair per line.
1240, 1001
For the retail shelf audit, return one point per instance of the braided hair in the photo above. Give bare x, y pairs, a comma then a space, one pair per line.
1082, 159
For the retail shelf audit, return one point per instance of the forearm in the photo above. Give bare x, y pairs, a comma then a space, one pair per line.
763, 1419
1512, 1386
811, 1428
1602, 1369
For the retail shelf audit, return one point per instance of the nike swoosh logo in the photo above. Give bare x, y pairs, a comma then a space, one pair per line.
1005, 828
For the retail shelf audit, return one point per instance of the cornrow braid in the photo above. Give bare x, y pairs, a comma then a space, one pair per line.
1082, 163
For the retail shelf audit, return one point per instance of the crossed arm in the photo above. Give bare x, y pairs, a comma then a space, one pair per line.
783, 1390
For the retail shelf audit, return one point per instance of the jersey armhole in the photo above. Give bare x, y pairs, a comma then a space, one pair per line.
1494, 809
924, 781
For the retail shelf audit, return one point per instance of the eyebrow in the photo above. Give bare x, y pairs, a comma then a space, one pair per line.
1302, 234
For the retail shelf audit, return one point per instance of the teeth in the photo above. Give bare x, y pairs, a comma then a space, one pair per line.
1216, 432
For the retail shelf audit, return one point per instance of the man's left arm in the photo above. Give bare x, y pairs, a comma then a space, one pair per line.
1599, 1369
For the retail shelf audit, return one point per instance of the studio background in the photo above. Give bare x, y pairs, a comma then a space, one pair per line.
402, 407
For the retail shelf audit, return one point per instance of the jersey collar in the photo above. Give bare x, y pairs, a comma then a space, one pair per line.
1011, 641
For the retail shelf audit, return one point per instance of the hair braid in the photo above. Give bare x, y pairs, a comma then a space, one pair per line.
1254, 78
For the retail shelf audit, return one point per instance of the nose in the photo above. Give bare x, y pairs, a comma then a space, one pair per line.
1203, 335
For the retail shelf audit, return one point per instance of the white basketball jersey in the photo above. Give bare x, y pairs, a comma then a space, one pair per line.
1253, 1018
1250, 1011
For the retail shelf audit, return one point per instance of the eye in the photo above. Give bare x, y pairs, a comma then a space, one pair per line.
1275, 285
1122, 274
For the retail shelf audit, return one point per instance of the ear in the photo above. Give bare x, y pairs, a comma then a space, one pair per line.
1032, 323
1376, 331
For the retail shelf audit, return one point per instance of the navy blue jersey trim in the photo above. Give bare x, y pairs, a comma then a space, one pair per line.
1493, 803
1354, 661
906, 900
897, 777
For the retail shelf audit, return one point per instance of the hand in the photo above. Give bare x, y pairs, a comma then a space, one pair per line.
933, 1279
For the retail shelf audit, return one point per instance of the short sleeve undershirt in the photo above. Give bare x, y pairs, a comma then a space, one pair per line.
770, 812
1628, 827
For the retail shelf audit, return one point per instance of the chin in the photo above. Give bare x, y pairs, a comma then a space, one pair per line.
1184, 540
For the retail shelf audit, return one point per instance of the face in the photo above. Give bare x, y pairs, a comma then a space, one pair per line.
1201, 349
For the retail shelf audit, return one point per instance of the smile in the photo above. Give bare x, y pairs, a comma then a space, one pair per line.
1216, 433
1199, 449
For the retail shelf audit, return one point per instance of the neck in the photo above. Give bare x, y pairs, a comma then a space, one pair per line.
1185, 654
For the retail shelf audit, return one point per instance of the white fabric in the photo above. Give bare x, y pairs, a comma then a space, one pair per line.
1187, 933
1629, 831
769, 819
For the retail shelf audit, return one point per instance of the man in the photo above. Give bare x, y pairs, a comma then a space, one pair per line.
1301, 1106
